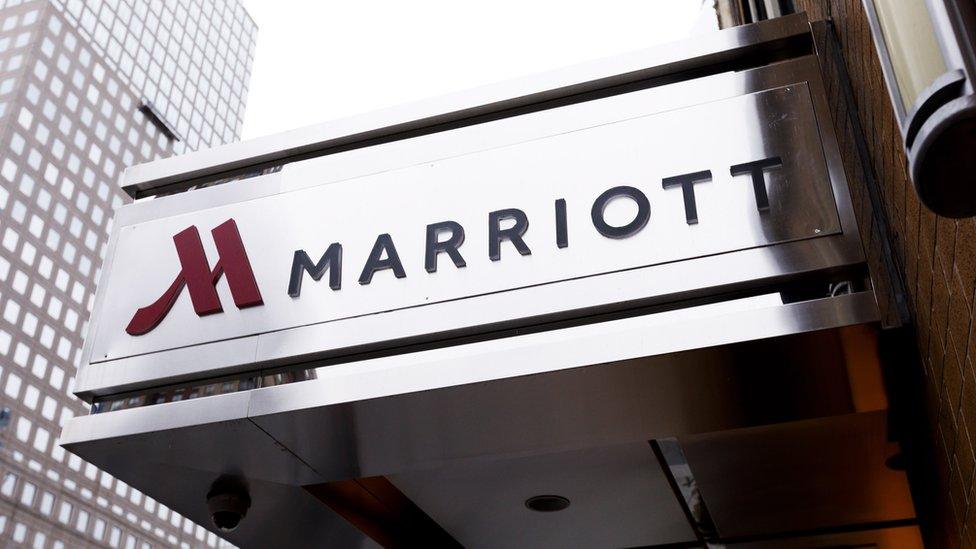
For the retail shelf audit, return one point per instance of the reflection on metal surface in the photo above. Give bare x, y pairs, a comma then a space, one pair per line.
799, 476
675, 330
649, 320
380, 510
163, 395
669, 453
889, 536
648, 363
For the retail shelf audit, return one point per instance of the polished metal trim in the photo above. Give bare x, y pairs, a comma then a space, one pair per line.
479, 362
680, 60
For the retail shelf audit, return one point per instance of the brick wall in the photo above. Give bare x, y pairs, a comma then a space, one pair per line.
935, 261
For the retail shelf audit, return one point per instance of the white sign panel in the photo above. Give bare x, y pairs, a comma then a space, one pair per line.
537, 201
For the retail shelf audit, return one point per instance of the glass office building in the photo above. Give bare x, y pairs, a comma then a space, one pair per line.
87, 89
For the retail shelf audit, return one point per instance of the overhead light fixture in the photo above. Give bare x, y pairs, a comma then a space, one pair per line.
929, 63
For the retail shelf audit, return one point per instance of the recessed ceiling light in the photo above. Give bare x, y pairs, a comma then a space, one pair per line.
547, 504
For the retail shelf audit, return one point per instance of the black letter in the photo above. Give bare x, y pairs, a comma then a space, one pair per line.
562, 238
630, 229
374, 263
687, 182
756, 169
496, 233
331, 261
450, 245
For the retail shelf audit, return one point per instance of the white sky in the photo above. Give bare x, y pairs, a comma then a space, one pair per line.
319, 60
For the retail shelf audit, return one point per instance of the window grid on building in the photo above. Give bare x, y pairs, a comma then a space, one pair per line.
69, 124
190, 58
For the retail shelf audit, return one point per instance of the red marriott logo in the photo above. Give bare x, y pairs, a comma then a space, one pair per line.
200, 280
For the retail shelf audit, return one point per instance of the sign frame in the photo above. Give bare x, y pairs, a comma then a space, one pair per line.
729, 272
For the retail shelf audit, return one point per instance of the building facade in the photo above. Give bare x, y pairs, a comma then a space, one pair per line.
86, 90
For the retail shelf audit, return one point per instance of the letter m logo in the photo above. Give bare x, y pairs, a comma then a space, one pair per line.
200, 280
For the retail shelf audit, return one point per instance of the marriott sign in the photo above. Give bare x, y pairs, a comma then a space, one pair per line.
625, 201
508, 225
